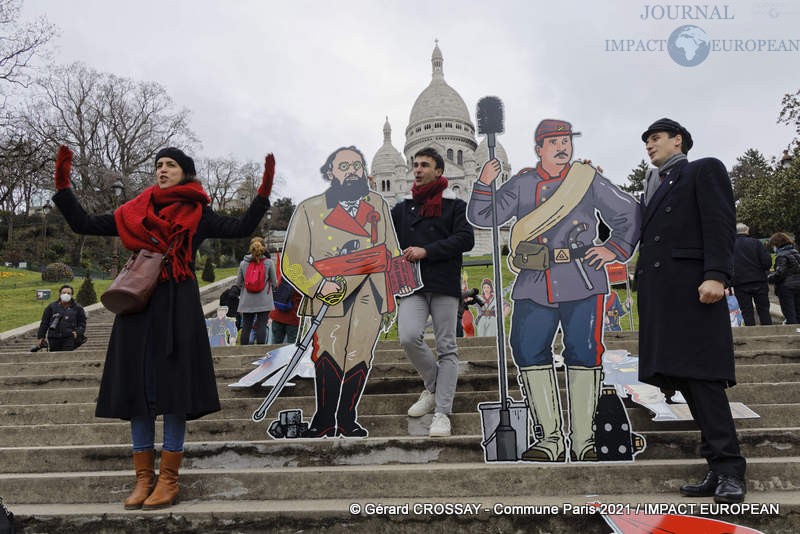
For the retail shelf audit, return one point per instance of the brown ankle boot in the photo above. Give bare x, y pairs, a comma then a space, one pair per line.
166, 491
143, 463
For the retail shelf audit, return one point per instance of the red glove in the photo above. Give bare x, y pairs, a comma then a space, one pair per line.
63, 167
269, 174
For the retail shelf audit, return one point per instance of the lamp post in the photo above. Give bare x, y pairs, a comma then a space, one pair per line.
45, 210
269, 229
117, 187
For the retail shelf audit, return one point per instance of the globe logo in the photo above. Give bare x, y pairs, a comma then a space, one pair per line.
688, 46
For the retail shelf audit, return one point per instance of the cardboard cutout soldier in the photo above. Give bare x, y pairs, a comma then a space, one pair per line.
341, 251
560, 281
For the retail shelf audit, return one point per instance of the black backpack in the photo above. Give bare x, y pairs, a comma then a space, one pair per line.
282, 296
230, 298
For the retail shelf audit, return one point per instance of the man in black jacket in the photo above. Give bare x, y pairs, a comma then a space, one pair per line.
751, 263
685, 263
63, 322
432, 229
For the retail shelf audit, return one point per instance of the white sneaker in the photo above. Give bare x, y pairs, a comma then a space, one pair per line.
440, 426
426, 404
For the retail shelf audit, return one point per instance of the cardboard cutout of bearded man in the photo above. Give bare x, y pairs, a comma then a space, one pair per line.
339, 251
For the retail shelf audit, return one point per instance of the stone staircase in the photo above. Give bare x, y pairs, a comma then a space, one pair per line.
62, 470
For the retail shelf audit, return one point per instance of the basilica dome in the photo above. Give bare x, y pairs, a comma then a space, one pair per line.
387, 159
439, 116
438, 99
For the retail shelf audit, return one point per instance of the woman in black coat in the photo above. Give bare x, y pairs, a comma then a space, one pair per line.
156, 362
786, 276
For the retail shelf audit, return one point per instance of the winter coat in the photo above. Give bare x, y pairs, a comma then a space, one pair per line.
787, 268
688, 230
751, 261
71, 318
261, 301
171, 328
445, 238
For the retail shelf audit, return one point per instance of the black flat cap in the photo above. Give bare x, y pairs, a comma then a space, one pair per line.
670, 126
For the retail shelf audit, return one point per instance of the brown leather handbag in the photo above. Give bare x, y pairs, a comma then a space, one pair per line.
134, 285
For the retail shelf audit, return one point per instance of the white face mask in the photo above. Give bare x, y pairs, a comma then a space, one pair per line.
66, 297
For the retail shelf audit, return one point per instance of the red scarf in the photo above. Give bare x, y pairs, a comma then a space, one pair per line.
179, 210
430, 196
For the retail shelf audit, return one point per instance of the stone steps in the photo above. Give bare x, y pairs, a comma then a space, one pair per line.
408, 445
63, 470
775, 409
497, 513
440, 480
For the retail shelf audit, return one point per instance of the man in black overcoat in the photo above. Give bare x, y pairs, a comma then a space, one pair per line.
685, 263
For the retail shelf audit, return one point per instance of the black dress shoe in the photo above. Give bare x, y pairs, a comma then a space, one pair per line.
730, 489
706, 488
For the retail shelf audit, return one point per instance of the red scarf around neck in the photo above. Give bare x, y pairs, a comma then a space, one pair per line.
180, 207
430, 196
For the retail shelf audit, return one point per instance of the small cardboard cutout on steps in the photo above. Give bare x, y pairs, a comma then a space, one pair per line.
221, 329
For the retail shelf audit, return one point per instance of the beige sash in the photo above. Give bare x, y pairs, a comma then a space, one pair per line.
554, 209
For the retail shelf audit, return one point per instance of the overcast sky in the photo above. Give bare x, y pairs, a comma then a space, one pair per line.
300, 78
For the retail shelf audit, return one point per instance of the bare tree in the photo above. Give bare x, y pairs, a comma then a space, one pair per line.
114, 125
19, 43
221, 179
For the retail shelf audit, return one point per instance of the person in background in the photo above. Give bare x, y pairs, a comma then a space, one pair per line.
786, 276
255, 301
63, 322
751, 262
285, 323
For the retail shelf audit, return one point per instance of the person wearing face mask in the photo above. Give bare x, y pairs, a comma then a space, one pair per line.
63, 322
156, 363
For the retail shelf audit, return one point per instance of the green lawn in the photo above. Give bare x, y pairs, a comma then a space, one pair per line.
18, 292
20, 307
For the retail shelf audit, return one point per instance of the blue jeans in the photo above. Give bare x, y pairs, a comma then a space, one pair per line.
533, 327
143, 431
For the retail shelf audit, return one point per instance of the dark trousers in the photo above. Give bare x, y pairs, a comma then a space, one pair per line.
712, 413
61, 343
790, 303
757, 292
254, 321
283, 333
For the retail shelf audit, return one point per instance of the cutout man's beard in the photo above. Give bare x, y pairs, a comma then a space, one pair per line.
349, 190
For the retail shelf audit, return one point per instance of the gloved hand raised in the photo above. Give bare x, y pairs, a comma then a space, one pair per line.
63, 167
269, 174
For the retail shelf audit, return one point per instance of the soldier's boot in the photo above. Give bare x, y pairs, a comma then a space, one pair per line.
541, 389
352, 387
328, 383
583, 385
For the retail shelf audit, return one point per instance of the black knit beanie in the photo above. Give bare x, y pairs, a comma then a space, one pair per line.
186, 163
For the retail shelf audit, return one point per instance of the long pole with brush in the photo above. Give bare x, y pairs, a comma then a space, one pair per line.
490, 123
